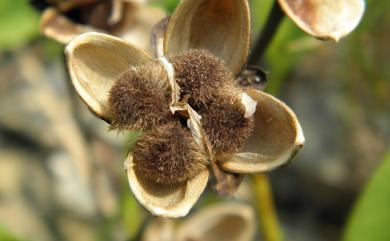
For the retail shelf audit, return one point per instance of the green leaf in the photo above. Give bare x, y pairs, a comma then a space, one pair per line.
370, 219
18, 23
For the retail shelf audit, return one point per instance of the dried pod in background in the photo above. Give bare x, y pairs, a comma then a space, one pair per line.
131, 20
325, 19
230, 221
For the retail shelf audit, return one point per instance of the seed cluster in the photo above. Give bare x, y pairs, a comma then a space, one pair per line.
167, 153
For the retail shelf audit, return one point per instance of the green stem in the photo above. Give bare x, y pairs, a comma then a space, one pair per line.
269, 224
265, 37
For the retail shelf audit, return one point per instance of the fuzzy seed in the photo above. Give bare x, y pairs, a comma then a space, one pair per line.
200, 75
140, 99
168, 155
225, 125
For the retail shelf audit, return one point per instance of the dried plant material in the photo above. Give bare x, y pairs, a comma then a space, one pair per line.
196, 129
159, 229
220, 26
223, 221
140, 98
224, 183
95, 61
252, 77
52, 21
211, 118
137, 25
200, 76
227, 222
175, 89
116, 12
249, 104
325, 19
166, 200
158, 32
226, 126
130, 20
276, 139
168, 155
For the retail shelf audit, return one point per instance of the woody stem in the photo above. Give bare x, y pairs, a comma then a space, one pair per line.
269, 225
266, 35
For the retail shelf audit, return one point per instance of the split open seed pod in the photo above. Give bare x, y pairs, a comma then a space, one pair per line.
325, 19
220, 26
95, 61
227, 221
174, 200
275, 140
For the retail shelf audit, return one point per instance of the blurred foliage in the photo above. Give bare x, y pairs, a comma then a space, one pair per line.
5, 235
131, 214
51, 49
367, 57
18, 23
287, 47
290, 45
167, 5
371, 216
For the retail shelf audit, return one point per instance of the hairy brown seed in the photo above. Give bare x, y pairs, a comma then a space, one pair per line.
225, 125
140, 98
200, 75
168, 155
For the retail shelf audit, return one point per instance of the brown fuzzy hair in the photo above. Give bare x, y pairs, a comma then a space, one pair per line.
200, 75
140, 98
168, 155
226, 126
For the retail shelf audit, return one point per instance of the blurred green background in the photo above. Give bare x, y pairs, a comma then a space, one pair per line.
336, 189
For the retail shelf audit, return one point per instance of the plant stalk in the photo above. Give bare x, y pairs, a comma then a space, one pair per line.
266, 35
269, 224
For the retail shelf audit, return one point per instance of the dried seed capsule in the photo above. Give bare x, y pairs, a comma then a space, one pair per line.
200, 75
168, 155
140, 98
226, 126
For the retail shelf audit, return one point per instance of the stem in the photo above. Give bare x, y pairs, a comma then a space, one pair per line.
267, 213
274, 19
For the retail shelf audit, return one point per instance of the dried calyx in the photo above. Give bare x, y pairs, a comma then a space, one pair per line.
169, 152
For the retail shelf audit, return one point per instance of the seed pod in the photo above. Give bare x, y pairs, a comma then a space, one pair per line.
168, 155
140, 98
226, 126
200, 75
